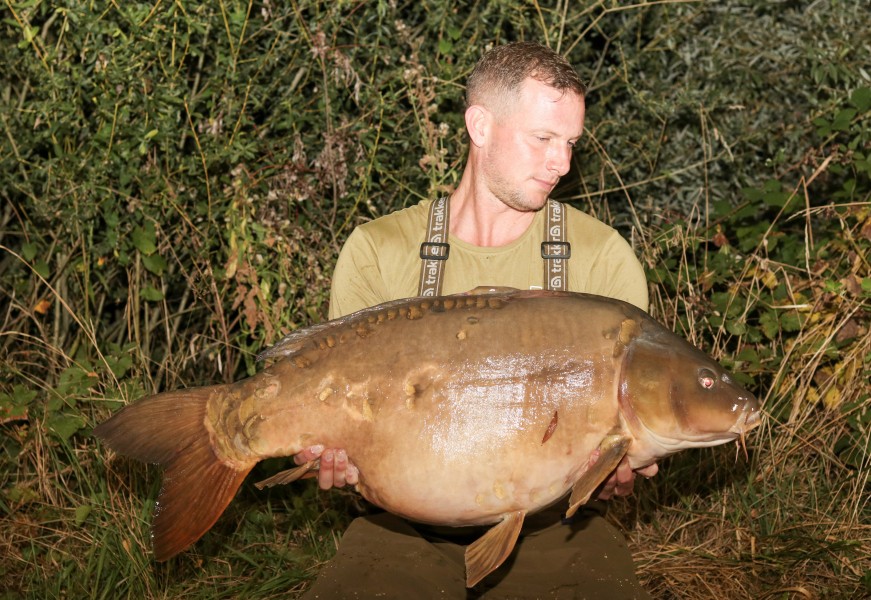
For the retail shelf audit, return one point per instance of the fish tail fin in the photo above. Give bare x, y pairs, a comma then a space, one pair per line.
169, 429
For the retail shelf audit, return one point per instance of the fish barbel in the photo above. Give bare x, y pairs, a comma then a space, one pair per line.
500, 398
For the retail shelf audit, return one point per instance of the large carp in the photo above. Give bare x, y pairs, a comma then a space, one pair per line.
501, 399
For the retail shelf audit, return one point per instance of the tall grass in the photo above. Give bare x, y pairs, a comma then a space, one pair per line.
176, 183
793, 520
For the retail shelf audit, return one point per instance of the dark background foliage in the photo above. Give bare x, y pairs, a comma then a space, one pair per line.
177, 179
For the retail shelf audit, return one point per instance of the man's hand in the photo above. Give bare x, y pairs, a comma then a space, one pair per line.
622, 481
335, 468
337, 471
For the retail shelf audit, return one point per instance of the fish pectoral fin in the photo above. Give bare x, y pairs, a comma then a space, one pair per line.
489, 551
611, 450
290, 475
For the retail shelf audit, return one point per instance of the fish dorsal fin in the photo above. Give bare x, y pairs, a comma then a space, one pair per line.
611, 449
295, 341
489, 551
489, 289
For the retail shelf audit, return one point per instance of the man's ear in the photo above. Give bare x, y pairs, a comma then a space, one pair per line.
478, 121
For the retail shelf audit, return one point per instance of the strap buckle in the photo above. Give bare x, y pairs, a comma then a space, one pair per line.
556, 249
435, 250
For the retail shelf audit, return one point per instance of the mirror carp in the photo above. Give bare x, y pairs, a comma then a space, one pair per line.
471, 409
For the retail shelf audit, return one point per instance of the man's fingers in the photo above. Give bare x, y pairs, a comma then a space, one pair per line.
622, 480
340, 466
649, 470
335, 469
308, 454
608, 488
325, 475
352, 475
625, 479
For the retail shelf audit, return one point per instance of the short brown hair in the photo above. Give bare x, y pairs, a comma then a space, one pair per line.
503, 70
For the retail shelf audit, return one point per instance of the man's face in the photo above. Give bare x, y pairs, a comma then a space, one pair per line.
530, 145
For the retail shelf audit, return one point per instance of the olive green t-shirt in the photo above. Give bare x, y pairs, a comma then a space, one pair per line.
381, 261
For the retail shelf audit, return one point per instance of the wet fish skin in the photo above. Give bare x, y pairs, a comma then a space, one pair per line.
457, 410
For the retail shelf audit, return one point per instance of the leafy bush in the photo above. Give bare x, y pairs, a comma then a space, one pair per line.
177, 181
779, 288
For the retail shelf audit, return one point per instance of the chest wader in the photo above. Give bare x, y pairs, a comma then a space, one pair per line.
385, 556
434, 251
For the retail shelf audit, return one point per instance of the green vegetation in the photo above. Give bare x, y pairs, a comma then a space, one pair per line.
176, 182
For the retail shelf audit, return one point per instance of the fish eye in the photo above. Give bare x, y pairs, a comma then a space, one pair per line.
707, 378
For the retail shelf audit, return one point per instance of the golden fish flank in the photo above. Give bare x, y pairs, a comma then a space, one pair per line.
629, 330
499, 490
544, 379
366, 411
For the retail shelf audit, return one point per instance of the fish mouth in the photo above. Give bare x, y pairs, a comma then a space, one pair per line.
749, 418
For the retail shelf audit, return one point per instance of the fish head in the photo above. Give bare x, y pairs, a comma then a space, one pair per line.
674, 396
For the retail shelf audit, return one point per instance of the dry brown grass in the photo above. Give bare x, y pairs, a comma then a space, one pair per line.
795, 520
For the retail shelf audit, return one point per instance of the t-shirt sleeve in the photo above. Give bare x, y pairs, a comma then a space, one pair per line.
622, 275
357, 281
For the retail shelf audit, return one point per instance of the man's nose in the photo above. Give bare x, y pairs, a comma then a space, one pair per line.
560, 160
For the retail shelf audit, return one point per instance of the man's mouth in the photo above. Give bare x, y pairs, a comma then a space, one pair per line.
546, 183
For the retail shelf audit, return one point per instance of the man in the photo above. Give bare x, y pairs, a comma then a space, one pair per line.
525, 113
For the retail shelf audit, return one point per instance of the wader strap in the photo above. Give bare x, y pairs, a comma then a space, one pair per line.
555, 250
434, 251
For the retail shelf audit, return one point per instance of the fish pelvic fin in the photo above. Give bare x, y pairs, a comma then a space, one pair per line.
169, 429
489, 551
611, 450
303, 471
